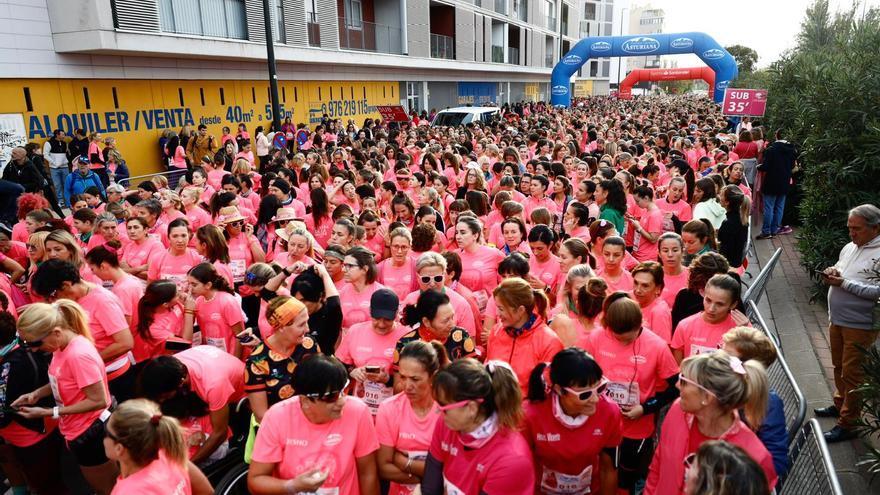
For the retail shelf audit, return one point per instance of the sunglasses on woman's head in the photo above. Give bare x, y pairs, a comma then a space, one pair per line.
329, 397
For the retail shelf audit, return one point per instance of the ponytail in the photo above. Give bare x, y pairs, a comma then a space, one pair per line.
757, 392
711, 240
143, 430
206, 273
156, 294
507, 394
74, 316
538, 383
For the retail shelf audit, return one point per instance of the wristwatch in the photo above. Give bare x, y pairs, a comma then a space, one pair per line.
56, 412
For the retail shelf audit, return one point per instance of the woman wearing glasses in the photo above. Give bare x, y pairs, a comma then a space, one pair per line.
572, 428
244, 248
637, 363
319, 439
405, 423
482, 412
713, 387
80, 385
398, 272
360, 271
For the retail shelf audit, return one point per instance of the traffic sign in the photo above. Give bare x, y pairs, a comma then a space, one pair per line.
392, 113
744, 102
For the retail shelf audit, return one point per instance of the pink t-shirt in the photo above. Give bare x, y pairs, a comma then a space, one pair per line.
215, 376
582, 233
634, 371
567, 459
19, 232
694, 335
657, 317
72, 369
506, 460
106, 316
400, 279
479, 272
398, 426
322, 231
548, 271
356, 305
362, 346
295, 445
672, 284
623, 282
652, 222
197, 217
531, 204
165, 266
240, 255
216, 319
129, 290
160, 477
680, 208
136, 255
215, 177
464, 316
166, 323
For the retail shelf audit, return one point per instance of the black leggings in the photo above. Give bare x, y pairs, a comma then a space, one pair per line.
634, 458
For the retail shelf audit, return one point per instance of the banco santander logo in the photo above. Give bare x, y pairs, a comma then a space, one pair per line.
601, 46
559, 90
641, 44
681, 43
713, 54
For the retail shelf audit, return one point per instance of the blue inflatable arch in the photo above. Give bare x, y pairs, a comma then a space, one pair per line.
701, 44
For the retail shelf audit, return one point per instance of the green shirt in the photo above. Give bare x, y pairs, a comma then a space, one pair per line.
613, 216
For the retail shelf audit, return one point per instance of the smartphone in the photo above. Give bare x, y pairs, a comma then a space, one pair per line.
821, 273
372, 369
177, 345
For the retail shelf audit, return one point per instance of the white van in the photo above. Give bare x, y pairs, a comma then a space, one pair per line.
452, 117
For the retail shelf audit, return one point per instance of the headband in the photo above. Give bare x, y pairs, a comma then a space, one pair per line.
334, 254
285, 313
109, 248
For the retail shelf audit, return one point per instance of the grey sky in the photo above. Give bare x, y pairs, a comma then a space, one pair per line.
767, 26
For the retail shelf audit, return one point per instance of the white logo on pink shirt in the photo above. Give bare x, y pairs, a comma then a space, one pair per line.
333, 439
638, 359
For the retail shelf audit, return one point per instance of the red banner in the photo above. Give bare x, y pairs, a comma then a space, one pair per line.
392, 113
744, 102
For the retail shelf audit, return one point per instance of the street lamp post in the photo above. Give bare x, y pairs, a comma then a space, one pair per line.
273, 75
620, 59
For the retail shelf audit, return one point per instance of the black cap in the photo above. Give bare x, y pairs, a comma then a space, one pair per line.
383, 304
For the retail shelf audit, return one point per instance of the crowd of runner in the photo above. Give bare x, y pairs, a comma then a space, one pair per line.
546, 303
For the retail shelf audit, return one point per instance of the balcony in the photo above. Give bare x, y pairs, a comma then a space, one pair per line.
512, 55
313, 28
498, 54
442, 46
501, 6
369, 37
551, 22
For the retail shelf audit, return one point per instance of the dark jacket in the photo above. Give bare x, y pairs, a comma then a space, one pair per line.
732, 237
25, 174
21, 372
773, 435
77, 147
779, 160
76, 183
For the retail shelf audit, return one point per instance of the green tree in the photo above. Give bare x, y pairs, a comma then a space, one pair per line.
746, 58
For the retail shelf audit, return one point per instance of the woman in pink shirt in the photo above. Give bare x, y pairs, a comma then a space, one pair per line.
319, 441
141, 248
60, 245
360, 272
318, 221
482, 414
368, 349
198, 181
641, 376
159, 319
647, 287
575, 221
211, 245
405, 423
479, 262
701, 333
612, 271
196, 215
741, 473
647, 228
713, 388
300, 245
574, 320
214, 306
151, 451
77, 381
545, 271
398, 272
244, 248
174, 263
572, 428
171, 206
675, 274
599, 231
104, 263
514, 235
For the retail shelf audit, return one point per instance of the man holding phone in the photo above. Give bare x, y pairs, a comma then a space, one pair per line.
852, 295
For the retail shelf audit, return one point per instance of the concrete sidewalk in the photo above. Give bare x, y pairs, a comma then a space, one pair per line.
803, 329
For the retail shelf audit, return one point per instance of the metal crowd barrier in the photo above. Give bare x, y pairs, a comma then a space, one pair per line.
172, 175
755, 291
811, 468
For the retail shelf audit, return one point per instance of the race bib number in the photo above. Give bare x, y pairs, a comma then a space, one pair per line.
451, 489
560, 483
53, 384
324, 491
702, 349
219, 343
375, 394
238, 267
482, 297
624, 394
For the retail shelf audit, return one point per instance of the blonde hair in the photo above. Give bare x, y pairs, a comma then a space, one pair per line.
173, 197
68, 241
140, 427
515, 292
566, 296
731, 389
38, 319
751, 343
241, 166
38, 240
160, 181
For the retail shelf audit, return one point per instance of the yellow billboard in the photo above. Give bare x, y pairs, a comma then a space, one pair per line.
583, 89
138, 112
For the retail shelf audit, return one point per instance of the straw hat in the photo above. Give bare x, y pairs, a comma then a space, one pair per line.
284, 214
229, 214
285, 233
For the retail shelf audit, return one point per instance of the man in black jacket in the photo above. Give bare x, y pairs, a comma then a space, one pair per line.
22, 171
780, 159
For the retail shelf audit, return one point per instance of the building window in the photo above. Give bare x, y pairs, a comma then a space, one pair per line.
412, 95
280, 34
215, 18
520, 9
354, 14
590, 11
